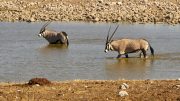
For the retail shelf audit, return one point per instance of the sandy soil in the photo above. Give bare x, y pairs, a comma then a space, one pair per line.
133, 11
87, 90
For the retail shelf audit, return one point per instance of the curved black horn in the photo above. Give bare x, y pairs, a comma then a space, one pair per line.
113, 33
108, 34
45, 25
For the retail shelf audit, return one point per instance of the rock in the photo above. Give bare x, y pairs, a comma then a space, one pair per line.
39, 81
119, 3
145, 1
18, 90
96, 19
124, 86
178, 86
123, 93
32, 19
100, 1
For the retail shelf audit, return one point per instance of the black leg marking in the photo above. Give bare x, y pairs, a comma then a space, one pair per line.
119, 56
126, 55
144, 52
140, 54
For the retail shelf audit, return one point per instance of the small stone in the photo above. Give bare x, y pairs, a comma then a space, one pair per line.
100, 1
39, 81
37, 85
178, 86
123, 93
19, 90
124, 86
32, 19
119, 3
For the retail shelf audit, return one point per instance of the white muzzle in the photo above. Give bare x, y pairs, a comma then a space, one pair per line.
39, 35
105, 50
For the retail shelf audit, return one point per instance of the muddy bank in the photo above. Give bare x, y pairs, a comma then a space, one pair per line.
140, 11
87, 90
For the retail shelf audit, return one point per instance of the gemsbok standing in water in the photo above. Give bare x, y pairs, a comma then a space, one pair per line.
53, 37
125, 46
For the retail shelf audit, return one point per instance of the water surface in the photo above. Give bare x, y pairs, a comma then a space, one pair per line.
24, 55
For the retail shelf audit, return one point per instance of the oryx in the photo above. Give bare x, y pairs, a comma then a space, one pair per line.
53, 37
125, 46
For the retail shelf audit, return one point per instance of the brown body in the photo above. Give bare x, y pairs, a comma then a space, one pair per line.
54, 37
125, 46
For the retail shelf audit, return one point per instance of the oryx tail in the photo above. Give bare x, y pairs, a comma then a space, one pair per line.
152, 50
65, 34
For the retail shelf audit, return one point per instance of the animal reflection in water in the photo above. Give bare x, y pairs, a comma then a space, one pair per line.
53, 48
128, 68
125, 46
53, 37
125, 63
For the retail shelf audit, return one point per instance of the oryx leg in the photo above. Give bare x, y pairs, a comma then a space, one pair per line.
121, 52
126, 55
144, 53
119, 56
140, 54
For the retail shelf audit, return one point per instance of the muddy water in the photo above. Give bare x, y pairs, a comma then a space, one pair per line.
24, 55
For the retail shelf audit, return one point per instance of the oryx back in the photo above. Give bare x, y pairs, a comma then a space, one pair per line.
126, 45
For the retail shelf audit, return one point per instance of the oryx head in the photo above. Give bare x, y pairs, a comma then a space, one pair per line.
42, 30
108, 45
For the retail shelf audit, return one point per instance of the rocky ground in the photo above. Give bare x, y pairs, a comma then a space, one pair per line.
87, 90
139, 11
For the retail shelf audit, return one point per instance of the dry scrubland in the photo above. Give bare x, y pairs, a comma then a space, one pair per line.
140, 11
85, 90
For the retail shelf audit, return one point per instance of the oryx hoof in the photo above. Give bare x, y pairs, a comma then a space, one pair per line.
118, 56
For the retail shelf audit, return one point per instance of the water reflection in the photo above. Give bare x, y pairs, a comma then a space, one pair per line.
130, 63
53, 48
168, 56
136, 67
53, 51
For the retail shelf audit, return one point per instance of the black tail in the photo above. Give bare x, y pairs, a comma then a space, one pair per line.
67, 40
65, 34
152, 50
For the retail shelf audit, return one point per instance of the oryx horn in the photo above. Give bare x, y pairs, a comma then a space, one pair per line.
108, 34
45, 25
113, 33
